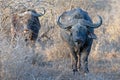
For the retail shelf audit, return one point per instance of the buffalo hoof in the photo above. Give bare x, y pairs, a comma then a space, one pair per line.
86, 71
74, 71
83, 71
74, 68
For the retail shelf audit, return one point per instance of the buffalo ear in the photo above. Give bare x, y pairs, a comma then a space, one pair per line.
92, 35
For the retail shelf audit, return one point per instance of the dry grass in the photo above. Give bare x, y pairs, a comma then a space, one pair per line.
60, 49
50, 59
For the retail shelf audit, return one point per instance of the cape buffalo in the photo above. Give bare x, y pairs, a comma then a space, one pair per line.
27, 24
77, 30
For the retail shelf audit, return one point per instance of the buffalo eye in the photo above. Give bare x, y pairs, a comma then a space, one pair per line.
77, 31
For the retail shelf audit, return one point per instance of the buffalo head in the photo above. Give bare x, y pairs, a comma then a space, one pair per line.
73, 23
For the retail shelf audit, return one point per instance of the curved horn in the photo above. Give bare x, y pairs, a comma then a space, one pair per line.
67, 25
91, 25
98, 24
39, 14
60, 24
33, 12
22, 14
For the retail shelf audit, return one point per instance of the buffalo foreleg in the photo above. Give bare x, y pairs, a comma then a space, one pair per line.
79, 60
74, 59
84, 61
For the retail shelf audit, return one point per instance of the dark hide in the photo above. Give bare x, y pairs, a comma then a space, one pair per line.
27, 24
76, 32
